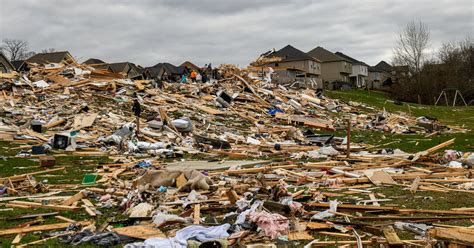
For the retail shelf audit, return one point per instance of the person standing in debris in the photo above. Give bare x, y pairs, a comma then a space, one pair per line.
137, 110
193, 76
204, 77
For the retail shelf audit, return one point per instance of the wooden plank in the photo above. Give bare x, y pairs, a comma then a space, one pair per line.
300, 236
69, 201
457, 235
18, 238
391, 236
232, 195
140, 231
414, 186
46, 206
316, 225
59, 217
197, 214
47, 227
181, 180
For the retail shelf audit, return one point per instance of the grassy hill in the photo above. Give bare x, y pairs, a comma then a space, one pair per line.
456, 116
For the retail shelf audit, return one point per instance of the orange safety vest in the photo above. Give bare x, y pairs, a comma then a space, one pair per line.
193, 74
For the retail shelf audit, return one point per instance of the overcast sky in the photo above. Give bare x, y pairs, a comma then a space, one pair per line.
225, 31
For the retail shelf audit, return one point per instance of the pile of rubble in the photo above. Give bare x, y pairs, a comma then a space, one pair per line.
220, 202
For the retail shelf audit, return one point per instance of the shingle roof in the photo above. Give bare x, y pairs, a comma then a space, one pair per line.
43, 58
118, 67
289, 53
324, 55
352, 60
93, 61
190, 65
17, 63
382, 66
169, 68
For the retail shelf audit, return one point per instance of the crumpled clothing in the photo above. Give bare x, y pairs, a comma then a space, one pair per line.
101, 239
199, 233
273, 225
451, 155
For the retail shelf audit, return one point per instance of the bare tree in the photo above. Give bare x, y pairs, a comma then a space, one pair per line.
15, 49
412, 42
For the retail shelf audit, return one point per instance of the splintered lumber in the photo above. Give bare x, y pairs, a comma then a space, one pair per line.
181, 180
103, 191
197, 214
69, 201
232, 195
364, 242
59, 217
432, 149
458, 235
414, 186
352, 206
46, 206
140, 231
18, 238
23, 176
316, 225
261, 169
54, 123
300, 236
391, 236
48, 227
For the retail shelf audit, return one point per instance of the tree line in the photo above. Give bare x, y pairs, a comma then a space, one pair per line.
449, 68
15, 49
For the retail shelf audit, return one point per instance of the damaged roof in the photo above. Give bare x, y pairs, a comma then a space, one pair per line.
93, 61
54, 57
290, 53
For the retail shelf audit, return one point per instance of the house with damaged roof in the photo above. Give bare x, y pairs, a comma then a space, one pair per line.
290, 64
127, 69
334, 68
163, 71
360, 71
5, 65
63, 57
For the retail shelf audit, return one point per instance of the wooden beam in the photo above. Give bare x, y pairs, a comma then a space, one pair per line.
197, 214
48, 227
39, 205
69, 201
391, 236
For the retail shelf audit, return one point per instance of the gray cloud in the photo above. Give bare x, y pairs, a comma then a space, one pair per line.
224, 31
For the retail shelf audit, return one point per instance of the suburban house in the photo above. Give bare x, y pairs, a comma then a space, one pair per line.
5, 65
161, 71
334, 68
380, 75
51, 58
129, 70
189, 66
360, 71
290, 64
93, 61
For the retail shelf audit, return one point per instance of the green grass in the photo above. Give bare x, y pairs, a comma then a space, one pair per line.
75, 168
453, 116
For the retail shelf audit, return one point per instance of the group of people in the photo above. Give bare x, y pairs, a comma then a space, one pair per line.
201, 75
